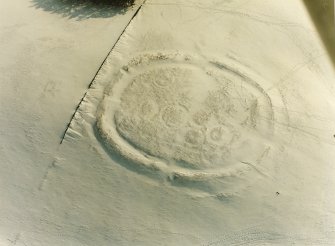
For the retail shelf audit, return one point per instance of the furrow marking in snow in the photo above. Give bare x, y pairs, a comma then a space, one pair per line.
90, 84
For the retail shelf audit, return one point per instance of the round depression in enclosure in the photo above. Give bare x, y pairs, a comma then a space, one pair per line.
187, 118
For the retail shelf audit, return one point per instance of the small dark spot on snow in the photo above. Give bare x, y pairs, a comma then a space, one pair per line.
277, 193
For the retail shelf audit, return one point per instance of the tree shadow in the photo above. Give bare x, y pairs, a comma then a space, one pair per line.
84, 9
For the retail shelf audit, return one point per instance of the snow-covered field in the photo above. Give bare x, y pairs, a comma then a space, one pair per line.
209, 123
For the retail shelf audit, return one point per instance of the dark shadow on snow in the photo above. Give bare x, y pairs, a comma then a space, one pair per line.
84, 9
323, 16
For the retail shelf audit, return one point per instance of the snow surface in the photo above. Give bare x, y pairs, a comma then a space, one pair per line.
210, 123
47, 61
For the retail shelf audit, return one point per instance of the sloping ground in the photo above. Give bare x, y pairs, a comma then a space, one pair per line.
210, 123
47, 60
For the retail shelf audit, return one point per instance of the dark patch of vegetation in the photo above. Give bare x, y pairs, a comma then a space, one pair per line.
84, 9
117, 3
